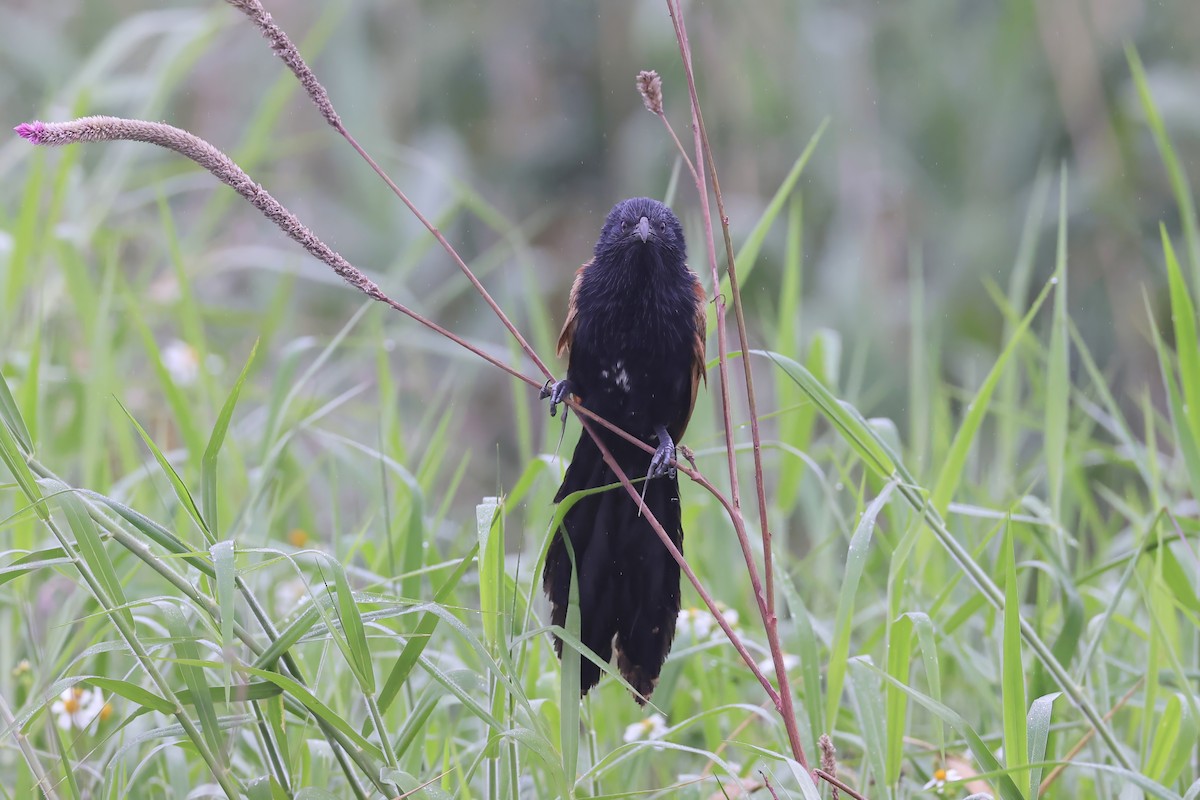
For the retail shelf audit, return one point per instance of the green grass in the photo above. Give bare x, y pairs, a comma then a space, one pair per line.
312, 569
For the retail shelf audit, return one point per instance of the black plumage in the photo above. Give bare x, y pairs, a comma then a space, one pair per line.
635, 332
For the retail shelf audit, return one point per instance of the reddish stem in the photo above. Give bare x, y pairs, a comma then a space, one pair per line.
703, 156
683, 564
462, 265
833, 780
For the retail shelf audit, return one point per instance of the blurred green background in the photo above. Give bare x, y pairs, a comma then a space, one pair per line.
515, 125
941, 114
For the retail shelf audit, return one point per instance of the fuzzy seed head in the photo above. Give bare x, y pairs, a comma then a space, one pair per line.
31, 130
649, 86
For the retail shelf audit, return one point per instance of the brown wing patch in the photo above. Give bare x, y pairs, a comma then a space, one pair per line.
567, 335
699, 375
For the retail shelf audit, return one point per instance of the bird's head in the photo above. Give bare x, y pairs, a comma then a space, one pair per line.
639, 223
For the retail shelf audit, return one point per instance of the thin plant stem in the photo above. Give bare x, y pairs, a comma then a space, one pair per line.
833, 780
42, 780
377, 718
187, 144
767, 605
287, 51
682, 562
762, 597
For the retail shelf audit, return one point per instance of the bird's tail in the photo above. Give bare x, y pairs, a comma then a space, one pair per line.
628, 581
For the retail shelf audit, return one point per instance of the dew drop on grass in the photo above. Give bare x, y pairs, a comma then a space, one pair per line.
1054, 281
837, 487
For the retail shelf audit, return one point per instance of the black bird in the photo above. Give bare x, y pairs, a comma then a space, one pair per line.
635, 332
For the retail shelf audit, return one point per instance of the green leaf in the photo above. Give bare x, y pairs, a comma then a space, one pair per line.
1058, 381
177, 484
845, 417
134, 693
1038, 731
869, 699
32, 562
91, 548
1187, 443
154, 532
1167, 728
954, 466
420, 636
808, 650
223, 555
208, 470
188, 653
899, 655
10, 415
569, 689
328, 715
1175, 172
181, 406
1012, 690
489, 530
353, 641
747, 256
10, 453
984, 757
234, 693
1183, 318
856, 556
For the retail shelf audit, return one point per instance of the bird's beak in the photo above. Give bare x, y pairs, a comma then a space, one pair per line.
643, 229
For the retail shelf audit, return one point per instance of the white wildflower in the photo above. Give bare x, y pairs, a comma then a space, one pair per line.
652, 727
181, 361
78, 707
940, 778
790, 662
290, 595
696, 623
700, 624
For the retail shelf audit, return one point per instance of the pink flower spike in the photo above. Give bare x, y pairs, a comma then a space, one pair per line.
31, 130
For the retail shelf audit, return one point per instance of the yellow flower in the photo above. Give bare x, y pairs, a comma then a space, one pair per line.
297, 537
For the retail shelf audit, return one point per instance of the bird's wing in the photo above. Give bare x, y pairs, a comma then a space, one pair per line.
699, 374
567, 335
701, 334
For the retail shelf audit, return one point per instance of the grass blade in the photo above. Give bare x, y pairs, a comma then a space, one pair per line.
177, 484
953, 467
208, 467
1175, 173
856, 557
1058, 380
91, 548
1012, 691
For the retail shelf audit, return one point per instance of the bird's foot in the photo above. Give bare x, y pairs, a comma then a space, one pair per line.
556, 392
662, 463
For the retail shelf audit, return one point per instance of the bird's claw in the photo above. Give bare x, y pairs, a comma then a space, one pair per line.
664, 457
556, 391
